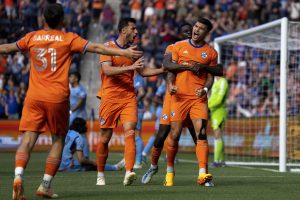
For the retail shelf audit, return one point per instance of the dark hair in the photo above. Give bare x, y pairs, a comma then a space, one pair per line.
206, 22
79, 125
53, 14
125, 22
77, 74
183, 25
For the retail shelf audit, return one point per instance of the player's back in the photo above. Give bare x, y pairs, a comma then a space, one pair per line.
50, 59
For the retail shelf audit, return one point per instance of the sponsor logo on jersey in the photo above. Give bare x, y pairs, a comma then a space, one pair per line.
185, 52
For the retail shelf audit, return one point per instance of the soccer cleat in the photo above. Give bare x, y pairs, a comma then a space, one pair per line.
215, 165
148, 176
100, 180
209, 184
18, 190
129, 178
46, 192
169, 181
204, 178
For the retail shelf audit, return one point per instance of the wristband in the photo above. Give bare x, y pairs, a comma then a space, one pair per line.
206, 89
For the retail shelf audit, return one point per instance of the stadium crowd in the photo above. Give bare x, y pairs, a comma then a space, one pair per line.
157, 22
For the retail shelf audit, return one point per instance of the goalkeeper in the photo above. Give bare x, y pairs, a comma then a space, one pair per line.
217, 107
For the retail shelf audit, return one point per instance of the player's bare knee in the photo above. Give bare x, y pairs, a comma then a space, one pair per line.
202, 133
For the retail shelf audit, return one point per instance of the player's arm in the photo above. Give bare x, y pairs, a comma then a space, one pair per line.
83, 160
173, 66
8, 48
130, 52
110, 70
216, 99
216, 70
200, 92
171, 78
147, 71
141, 93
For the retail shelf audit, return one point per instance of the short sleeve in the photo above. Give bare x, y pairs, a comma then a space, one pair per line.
78, 44
169, 49
23, 43
79, 143
175, 55
214, 58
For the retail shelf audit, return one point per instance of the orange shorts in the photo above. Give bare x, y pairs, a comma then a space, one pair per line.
165, 114
37, 116
109, 113
181, 109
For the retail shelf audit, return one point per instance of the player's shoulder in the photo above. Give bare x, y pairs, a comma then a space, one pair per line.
211, 48
181, 43
109, 43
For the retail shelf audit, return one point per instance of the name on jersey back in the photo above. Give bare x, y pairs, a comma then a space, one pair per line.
56, 38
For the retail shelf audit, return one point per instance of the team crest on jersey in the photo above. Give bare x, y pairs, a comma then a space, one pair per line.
204, 55
164, 117
172, 114
102, 121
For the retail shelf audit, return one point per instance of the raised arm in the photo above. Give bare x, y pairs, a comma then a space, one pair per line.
130, 52
110, 70
8, 48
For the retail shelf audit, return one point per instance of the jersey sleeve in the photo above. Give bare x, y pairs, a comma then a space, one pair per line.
23, 43
175, 53
78, 44
169, 49
105, 58
214, 58
216, 98
79, 143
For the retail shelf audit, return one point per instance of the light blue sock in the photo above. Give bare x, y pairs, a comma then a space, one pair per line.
149, 145
139, 149
109, 167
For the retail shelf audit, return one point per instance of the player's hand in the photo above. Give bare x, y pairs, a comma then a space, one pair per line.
138, 64
133, 52
172, 89
200, 92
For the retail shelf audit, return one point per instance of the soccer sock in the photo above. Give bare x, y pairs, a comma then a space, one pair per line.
149, 145
21, 161
155, 155
172, 148
51, 167
129, 150
219, 150
139, 149
109, 167
202, 154
102, 153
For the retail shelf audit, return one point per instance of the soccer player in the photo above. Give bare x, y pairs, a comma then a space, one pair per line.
217, 107
47, 100
77, 97
119, 99
75, 144
186, 103
139, 87
185, 32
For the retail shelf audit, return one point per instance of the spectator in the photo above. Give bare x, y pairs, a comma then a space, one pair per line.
107, 18
12, 105
136, 9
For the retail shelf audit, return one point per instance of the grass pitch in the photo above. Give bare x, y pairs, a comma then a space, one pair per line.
230, 182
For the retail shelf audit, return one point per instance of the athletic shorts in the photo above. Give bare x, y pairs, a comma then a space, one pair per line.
110, 112
181, 109
40, 116
165, 113
217, 119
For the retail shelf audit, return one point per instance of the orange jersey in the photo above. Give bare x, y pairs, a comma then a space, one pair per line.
185, 53
50, 54
117, 88
169, 49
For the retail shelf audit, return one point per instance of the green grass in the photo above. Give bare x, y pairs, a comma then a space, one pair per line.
230, 183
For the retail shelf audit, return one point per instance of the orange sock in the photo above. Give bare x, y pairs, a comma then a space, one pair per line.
129, 150
172, 149
52, 165
21, 159
102, 153
202, 153
155, 155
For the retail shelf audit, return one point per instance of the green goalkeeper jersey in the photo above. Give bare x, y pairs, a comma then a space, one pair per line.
217, 100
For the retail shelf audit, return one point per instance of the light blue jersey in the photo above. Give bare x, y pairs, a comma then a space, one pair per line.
73, 142
160, 92
77, 93
138, 83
